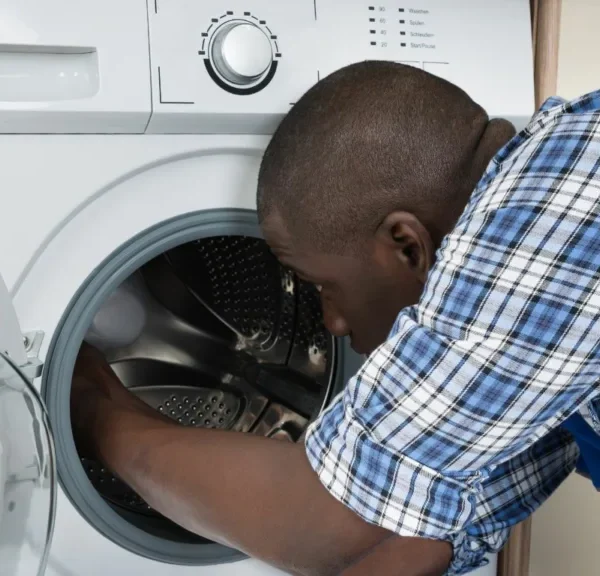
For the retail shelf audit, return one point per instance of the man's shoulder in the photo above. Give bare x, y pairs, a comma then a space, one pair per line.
557, 105
557, 117
546, 146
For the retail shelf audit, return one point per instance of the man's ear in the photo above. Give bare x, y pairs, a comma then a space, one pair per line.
406, 235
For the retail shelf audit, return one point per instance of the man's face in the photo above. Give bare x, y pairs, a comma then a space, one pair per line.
361, 295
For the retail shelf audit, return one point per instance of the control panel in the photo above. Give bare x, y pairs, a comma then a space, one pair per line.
238, 66
412, 34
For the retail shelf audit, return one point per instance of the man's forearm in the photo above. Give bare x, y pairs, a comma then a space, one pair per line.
397, 556
255, 494
252, 493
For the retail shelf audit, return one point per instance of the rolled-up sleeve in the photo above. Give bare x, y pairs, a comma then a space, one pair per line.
445, 459
412, 500
454, 418
382, 447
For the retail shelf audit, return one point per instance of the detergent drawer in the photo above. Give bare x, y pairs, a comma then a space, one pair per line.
74, 66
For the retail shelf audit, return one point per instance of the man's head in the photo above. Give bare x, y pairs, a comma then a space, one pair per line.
361, 181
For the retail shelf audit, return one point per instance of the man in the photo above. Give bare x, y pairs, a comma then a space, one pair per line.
465, 260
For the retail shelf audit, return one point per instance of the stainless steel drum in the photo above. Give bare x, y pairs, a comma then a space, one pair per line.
231, 340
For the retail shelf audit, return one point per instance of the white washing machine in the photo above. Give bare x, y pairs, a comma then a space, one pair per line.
130, 138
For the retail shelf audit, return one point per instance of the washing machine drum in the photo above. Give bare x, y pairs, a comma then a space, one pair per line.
27, 476
231, 340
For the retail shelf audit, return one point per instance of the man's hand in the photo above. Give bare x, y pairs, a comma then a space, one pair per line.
261, 496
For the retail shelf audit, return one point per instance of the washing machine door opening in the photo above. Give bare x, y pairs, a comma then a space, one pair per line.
227, 339
212, 333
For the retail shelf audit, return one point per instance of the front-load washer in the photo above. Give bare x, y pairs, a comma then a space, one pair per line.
130, 140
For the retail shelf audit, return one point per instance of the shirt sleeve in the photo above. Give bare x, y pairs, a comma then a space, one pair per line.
502, 347
512, 492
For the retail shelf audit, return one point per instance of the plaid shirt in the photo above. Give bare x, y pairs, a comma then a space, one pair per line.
451, 429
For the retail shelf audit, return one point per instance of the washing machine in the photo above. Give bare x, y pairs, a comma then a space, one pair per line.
130, 139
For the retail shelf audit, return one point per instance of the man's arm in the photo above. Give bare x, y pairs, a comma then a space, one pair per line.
398, 556
261, 496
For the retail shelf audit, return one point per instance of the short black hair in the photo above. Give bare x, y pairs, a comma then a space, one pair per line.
368, 139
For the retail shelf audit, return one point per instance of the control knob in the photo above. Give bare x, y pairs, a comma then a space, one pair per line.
241, 52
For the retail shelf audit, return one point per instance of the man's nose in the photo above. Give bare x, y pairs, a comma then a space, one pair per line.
333, 320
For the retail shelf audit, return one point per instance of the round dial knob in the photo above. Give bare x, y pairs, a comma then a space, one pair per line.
241, 52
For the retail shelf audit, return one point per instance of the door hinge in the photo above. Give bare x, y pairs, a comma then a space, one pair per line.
33, 342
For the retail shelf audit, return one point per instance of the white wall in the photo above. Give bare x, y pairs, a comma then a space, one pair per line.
566, 530
579, 48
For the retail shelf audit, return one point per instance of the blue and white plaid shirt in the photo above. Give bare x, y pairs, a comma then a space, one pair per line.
451, 429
